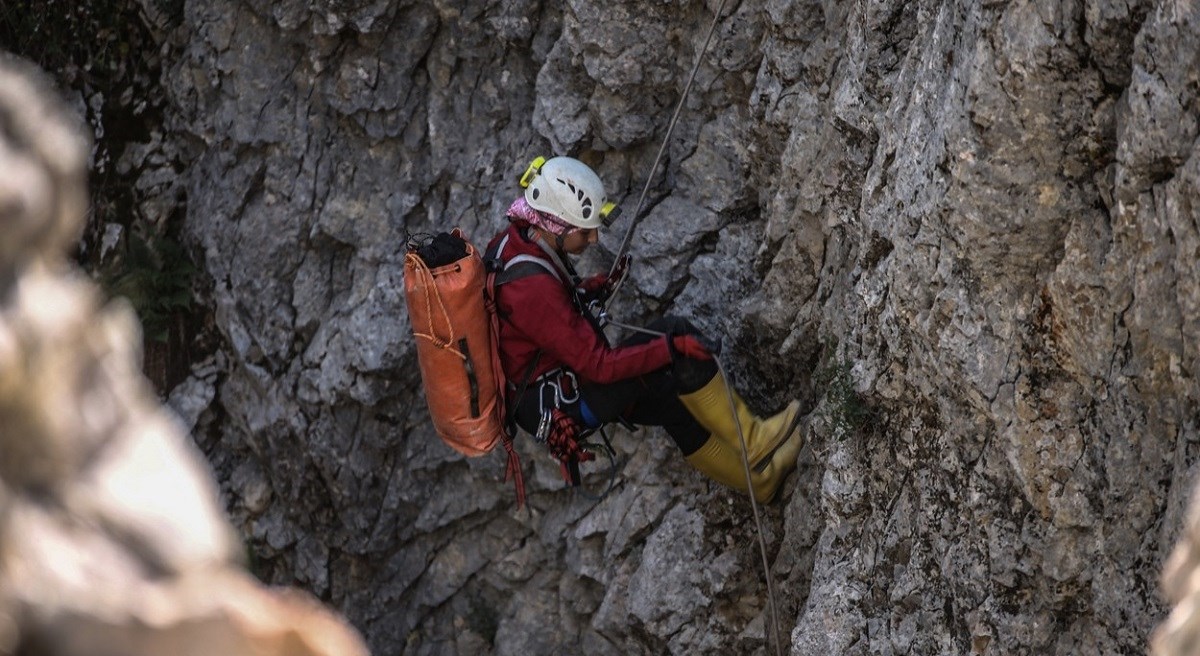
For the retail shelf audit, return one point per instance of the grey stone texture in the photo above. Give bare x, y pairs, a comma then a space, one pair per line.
978, 219
112, 539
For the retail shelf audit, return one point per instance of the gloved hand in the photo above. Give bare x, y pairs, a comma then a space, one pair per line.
689, 346
601, 286
692, 362
618, 274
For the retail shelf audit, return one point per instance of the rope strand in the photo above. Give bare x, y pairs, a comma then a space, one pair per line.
637, 218
426, 275
772, 606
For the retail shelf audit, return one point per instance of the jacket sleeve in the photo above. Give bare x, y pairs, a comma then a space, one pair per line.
539, 307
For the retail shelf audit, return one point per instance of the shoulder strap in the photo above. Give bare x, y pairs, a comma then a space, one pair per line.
518, 267
523, 266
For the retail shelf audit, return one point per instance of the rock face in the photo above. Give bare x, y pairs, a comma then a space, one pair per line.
965, 233
111, 539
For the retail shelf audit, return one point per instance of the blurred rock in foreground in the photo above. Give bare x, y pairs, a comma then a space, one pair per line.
1179, 634
111, 538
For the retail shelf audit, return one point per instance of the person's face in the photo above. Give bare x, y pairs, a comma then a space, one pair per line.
577, 241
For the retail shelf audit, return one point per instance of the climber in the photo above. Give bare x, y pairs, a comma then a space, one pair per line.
568, 378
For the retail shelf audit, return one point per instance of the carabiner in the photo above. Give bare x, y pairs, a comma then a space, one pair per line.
543, 428
558, 387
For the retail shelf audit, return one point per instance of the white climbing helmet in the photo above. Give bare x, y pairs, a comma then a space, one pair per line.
568, 189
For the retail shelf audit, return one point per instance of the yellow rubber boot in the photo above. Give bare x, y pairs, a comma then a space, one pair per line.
723, 464
710, 406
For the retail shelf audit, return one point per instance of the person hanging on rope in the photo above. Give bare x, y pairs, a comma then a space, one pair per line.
567, 378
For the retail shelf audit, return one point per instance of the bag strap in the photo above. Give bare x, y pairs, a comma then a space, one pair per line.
509, 429
518, 267
523, 266
498, 273
510, 420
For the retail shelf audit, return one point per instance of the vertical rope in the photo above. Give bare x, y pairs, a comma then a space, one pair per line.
773, 608
637, 218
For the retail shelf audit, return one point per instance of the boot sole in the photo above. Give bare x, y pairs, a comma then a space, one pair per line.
758, 462
763, 462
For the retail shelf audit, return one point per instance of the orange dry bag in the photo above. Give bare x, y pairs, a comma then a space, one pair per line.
444, 284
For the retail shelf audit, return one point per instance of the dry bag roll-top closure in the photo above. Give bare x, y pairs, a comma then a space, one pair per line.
446, 287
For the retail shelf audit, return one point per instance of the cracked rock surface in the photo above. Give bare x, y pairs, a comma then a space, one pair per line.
965, 234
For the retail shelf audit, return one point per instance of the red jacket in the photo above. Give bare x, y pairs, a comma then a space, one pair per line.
537, 312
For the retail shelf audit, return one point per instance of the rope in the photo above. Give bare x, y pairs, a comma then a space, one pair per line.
762, 544
637, 217
612, 468
772, 606
422, 269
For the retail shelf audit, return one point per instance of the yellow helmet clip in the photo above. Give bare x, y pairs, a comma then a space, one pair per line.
535, 167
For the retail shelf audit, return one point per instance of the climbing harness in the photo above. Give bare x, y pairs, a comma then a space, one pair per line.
557, 388
566, 440
565, 387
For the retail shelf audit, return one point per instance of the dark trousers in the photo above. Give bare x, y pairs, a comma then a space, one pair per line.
651, 399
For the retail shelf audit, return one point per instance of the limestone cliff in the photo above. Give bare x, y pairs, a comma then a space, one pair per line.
965, 233
111, 539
